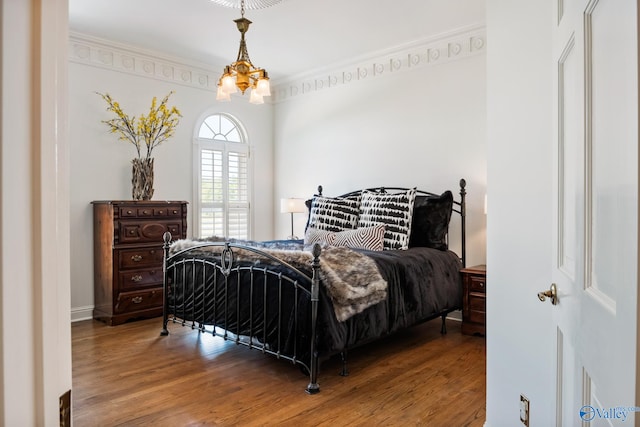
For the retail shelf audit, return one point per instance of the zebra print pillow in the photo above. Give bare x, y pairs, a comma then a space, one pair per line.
392, 210
314, 235
369, 238
334, 214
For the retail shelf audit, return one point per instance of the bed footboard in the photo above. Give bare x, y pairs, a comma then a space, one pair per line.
248, 296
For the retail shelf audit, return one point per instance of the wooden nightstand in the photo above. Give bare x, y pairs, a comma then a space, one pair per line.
474, 283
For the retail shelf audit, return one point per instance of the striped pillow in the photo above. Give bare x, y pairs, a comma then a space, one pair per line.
314, 235
369, 238
395, 211
334, 214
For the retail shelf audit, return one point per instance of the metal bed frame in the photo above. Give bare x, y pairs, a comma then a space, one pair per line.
224, 272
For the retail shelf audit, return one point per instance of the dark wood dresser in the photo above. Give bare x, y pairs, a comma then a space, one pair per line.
127, 256
474, 282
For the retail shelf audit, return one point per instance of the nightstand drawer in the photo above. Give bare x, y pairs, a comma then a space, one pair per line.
476, 316
477, 284
476, 303
474, 280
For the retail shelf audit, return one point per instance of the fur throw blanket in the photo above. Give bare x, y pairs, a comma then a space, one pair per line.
352, 280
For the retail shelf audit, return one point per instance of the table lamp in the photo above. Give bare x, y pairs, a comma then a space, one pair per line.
291, 206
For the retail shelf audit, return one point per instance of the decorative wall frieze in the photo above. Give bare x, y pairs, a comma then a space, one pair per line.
444, 48
109, 55
448, 47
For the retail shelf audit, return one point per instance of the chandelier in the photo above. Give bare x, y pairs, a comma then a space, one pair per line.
242, 74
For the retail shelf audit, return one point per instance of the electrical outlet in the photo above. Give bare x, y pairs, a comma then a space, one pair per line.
524, 410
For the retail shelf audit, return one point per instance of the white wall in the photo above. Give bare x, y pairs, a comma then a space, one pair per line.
100, 163
421, 124
418, 126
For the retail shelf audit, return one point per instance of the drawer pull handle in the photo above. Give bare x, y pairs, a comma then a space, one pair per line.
136, 258
146, 212
129, 212
481, 284
136, 300
136, 278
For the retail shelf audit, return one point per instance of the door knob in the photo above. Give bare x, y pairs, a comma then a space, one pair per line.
551, 293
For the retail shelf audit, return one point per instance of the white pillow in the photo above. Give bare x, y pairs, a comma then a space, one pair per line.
395, 211
334, 214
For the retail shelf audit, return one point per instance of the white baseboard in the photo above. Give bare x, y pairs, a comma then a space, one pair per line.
81, 313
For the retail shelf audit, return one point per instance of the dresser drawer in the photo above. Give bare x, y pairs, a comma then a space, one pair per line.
147, 232
168, 212
150, 211
135, 279
136, 258
140, 300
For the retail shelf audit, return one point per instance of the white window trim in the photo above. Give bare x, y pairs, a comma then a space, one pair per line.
199, 144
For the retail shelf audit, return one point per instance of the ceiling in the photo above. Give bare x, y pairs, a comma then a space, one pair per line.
290, 38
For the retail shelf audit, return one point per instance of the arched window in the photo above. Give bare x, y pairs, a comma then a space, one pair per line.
223, 190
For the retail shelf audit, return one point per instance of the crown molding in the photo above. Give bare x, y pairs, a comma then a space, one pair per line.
446, 47
440, 49
106, 54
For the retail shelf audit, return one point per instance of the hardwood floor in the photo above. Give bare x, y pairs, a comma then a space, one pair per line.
128, 375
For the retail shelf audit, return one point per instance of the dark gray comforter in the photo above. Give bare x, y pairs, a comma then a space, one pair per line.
423, 283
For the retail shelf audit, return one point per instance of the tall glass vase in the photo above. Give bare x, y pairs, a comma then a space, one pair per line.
142, 179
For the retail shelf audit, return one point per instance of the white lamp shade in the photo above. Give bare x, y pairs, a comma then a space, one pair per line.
255, 97
292, 205
221, 95
229, 85
263, 87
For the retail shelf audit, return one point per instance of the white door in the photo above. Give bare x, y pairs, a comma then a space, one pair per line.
595, 211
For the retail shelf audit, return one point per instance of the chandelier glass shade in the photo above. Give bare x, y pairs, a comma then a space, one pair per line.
242, 74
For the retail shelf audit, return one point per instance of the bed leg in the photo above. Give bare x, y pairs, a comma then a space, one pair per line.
164, 332
313, 386
443, 329
166, 237
345, 371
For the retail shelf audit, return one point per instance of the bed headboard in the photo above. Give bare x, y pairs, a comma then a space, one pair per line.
458, 206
